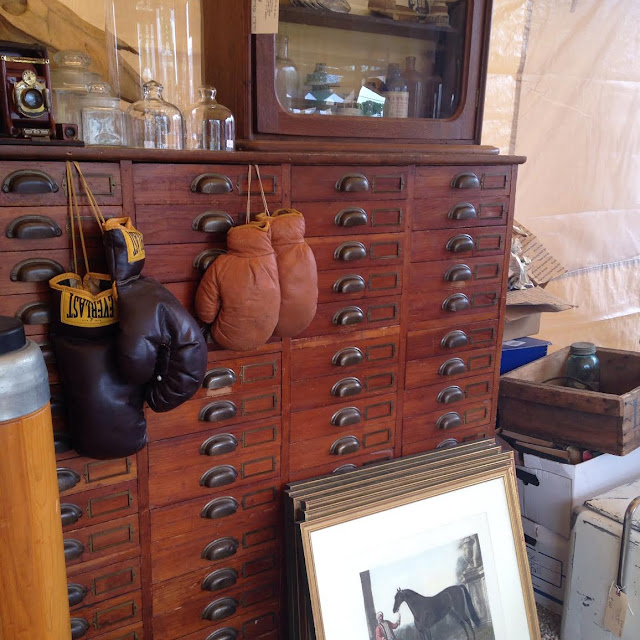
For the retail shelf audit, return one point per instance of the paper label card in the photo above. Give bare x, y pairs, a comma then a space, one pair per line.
264, 16
616, 611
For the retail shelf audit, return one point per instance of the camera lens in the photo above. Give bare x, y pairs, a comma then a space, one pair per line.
32, 99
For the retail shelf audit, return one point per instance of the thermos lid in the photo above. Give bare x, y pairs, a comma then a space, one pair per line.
582, 349
12, 335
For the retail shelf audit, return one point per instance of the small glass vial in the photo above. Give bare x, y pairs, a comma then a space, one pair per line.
103, 121
397, 93
583, 367
287, 78
209, 124
153, 122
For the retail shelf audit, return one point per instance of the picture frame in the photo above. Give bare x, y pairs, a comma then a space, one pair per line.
460, 542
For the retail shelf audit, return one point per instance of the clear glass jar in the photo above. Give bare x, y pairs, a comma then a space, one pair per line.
397, 93
583, 367
209, 124
154, 123
287, 78
103, 121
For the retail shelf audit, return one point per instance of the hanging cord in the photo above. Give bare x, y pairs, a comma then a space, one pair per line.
95, 209
248, 218
74, 212
264, 199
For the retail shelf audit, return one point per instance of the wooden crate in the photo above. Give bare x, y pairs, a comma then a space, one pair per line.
607, 421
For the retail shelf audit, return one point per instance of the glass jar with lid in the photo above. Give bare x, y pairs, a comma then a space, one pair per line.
210, 125
154, 123
103, 121
583, 367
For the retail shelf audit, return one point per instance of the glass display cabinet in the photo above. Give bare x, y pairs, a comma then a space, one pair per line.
363, 69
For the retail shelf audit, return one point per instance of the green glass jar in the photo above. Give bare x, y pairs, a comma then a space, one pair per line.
583, 367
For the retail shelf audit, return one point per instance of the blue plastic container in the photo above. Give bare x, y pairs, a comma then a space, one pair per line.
521, 351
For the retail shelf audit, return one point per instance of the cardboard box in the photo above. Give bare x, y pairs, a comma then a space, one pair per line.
549, 491
548, 554
520, 323
524, 308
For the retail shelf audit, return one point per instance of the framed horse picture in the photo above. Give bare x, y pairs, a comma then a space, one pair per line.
443, 563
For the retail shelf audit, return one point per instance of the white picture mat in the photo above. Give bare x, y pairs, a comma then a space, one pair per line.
341, 552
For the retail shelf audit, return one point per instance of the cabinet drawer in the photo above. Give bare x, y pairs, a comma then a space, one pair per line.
182, 554
445, 440
431, 425
341, 317
341, 448
360, 282
44, 183
30, 271
336, 218
338, 467
78, 474
180, 607
338, 389
47, 228
464, 182
457, 210
205, 414
130, 632
357, 251
116, 539
239, 510
447, 396
466, 242
205, 463
335, 357
439, 368
452, 339
348, 183
203, 184
89, 586
455, 275
98, 505
33, 309
322, 421
480, 300
175, 263
109, 615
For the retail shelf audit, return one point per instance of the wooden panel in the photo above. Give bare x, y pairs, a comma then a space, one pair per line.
174, 263
336, 467
452, 339
323, 183
191, 417
96, 473
436, 181
445, 440
337, 219
357, 251
103, 180
364, 282
443, 275
329, 356
32, 308
111, 614
451, 211
130, 632
432, 245
171, 183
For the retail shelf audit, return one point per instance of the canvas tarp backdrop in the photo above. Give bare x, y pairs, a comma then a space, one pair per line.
564, 90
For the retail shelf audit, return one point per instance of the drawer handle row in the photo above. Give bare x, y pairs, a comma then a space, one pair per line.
212, 222
36, 270
79, 627
351, 283
77, 593
450, 395
466, 180
345, 446
219, 508
72, 549
347, 357
219, 444
454, 339
218, 411
29, 182
227, 633
70, 514
460, 243
456, 302
452, 367
33, 228
211, 183
346, 417
348, 316
219, 609
220, 579
350, 251
449, 420
67, 479
463, 211
219, 476
352, 182
219, 378
458, 273
347, 387
220, 549
354, 217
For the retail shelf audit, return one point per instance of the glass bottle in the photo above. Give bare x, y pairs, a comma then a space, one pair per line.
397, 94
416, 88
287, 77
583, 367
209, 124
153, 122
103, 121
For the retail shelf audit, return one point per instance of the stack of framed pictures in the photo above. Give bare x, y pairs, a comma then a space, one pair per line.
420, 548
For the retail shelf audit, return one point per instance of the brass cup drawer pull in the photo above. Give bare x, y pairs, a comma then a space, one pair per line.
352, 182
454, 339
29, 182
218, 411
79, 628
219, 508
219, 476
450, 395
352, 283
456, 302
204, 259
347, 357
220, 579
211, 184
34, 313
347, 387
458, 273
219, 444
226, 633
452, 367
219, 378
460, 243
354, 217
348, 316
449, 420
220, 609
36, 270
61, 442
344, 468
67, 479
212, 222
77, 593
220, 549
70, 514
346, 417
33, 228
463, 211
72, 549
466, 180
345, 446
350, 251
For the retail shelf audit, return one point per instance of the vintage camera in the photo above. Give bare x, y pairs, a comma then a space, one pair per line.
26, 91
